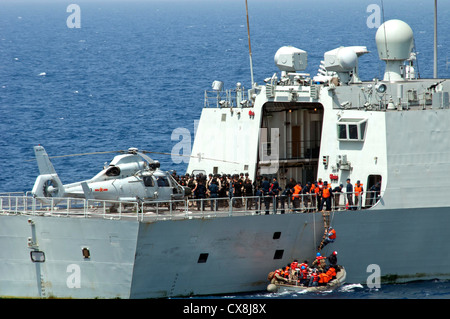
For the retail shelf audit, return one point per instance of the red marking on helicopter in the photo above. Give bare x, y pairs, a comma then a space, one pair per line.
101, 189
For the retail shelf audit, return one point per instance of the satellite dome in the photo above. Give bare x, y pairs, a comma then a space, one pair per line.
395, 40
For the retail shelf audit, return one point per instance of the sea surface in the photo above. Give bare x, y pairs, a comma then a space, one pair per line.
134, 72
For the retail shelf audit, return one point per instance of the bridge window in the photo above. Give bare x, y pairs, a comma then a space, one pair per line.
351, 129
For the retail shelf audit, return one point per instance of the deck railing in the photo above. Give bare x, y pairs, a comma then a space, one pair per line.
177, 209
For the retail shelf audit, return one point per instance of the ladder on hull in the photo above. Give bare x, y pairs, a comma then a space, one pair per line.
326, 224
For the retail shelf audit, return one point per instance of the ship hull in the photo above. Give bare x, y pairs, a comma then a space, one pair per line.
399, 245
207, 256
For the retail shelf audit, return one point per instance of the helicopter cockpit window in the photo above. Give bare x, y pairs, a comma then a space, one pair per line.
148, 181
162, 181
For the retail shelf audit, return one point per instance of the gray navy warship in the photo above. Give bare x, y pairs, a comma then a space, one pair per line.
391, 132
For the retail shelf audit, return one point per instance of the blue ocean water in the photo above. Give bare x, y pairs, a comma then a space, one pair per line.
136, 70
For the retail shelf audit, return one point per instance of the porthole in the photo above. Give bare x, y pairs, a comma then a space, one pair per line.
202, 258
86, 253
277, 235
278, 254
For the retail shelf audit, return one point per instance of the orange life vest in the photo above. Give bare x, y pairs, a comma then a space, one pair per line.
321, 278
286, 272
317, 190
326, 192
332, 234
305, 273
326, 278
297, 190
331, 272
358, 189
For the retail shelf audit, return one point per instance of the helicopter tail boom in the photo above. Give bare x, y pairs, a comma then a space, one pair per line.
47, 184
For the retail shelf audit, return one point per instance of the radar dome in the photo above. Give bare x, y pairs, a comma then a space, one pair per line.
394, 40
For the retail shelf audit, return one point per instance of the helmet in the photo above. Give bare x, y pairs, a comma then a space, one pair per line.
334, 252
303, 267
318, 254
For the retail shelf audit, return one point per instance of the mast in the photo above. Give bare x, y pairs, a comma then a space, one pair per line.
435, 71
249, 46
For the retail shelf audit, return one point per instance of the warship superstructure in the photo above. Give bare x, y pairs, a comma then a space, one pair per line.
391, 132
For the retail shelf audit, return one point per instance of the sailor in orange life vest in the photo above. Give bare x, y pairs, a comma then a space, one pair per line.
358, 192
319, 262
331, 237
326, 196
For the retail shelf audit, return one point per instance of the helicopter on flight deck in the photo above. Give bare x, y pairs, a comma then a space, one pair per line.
131, 176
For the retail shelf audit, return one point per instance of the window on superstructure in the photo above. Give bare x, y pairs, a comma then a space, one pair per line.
352, 132
351, 129
342, 131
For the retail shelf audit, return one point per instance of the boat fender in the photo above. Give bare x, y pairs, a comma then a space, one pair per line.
272, 288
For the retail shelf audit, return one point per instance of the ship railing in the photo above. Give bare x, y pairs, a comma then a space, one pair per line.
182, 209
227, 98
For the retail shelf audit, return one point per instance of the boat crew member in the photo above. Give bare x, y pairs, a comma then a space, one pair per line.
358, 194
314, 279
318, 192
274, 191
307, 197
294, 264
331, 237
278, 277
265, 187
200, 194
296, 195
248, 192
349, 190
326, 196
337, 195
312, 192
332, 259
284, 196
213, 189
319, 262
304, 276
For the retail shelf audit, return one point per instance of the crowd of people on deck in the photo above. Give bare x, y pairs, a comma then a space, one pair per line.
321, 271
238, 187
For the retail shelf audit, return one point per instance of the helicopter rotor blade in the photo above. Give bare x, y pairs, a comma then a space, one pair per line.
80, 154
142, 154
147, 158
191, 156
